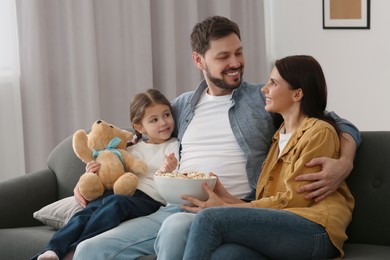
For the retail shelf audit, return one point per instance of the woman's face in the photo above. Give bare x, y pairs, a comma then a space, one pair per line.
280, 98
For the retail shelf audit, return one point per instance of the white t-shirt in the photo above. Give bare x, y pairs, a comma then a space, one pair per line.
208, 145
154, 156
283, 140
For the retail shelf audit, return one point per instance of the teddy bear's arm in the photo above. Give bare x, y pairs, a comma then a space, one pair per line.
80, 146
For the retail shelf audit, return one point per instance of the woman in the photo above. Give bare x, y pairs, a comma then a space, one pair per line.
282, 224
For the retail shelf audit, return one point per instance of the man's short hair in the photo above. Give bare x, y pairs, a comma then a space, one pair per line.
212, 28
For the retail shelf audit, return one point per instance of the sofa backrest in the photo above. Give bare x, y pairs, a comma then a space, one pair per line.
369, 182
67, 167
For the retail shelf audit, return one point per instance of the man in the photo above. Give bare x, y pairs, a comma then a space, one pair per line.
223, 128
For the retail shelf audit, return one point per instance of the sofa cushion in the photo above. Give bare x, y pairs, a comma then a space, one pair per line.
57, 214
369, 183
23, 243
365, 251
22, 195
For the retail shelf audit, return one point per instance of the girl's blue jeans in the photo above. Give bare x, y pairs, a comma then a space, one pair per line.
101, 214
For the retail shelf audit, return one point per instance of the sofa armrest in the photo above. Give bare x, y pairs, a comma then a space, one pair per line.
23, 195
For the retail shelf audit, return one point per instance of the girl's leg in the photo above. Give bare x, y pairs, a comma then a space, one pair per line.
272, 233
114, 210
63, 238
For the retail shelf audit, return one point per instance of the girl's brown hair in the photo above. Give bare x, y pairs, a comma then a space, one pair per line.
141, 101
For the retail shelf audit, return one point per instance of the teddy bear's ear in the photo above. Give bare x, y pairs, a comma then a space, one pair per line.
129, 135
80, 146
125, 136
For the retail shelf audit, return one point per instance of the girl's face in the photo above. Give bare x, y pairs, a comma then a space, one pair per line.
157, 124
279, 97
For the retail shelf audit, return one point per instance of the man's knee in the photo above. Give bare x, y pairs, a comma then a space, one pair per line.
183, 218
179, 222
84, 246
172, 236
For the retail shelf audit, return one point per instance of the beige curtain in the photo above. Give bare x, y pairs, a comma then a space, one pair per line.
11, 132
83, 60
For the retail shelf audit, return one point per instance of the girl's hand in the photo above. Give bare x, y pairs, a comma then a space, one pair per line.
169, 164
93, 167
76, 192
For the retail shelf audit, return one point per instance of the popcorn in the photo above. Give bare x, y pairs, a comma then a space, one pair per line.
184, 175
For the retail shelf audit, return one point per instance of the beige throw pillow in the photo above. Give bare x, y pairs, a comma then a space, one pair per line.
58, 213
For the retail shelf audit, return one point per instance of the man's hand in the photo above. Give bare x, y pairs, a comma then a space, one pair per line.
326, 181
333, 173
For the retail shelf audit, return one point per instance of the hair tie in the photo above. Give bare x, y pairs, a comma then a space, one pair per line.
135, 139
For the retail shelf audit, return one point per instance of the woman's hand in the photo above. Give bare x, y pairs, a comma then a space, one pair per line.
222, 193
213, 201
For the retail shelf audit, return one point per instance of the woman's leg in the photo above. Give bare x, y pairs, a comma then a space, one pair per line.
275, 234
234, 251
130, 240
172, 237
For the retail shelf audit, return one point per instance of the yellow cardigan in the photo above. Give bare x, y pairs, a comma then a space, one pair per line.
276, 187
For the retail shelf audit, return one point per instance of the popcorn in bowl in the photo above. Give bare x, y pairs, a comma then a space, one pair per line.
185, 175
172, 185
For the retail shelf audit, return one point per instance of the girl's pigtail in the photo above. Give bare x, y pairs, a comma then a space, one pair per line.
136, 138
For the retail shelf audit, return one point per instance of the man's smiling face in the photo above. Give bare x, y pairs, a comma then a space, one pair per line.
223, 64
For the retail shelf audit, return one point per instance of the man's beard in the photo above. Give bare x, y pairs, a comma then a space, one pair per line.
221, 83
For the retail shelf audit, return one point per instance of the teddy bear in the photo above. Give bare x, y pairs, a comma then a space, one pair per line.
119, 170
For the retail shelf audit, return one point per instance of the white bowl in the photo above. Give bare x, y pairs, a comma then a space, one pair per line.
172, 188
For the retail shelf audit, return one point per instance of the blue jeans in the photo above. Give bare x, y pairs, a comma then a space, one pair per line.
130, 240
172, 237
227, 232
100, 215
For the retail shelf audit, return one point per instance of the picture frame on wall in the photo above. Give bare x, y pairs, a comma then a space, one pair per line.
346, 14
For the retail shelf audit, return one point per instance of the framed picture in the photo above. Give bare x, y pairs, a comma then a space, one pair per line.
346, 14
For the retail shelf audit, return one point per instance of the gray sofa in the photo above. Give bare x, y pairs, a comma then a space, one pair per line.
21, 236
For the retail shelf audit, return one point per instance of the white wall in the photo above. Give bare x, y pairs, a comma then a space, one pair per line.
356, 63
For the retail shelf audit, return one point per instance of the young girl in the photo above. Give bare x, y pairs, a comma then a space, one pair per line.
151, 116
